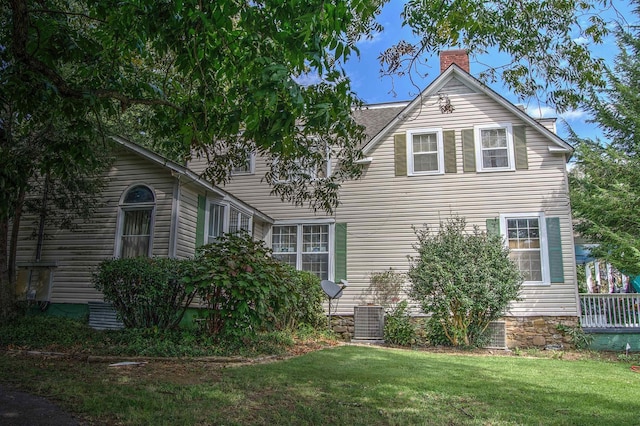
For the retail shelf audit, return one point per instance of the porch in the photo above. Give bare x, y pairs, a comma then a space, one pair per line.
610, 311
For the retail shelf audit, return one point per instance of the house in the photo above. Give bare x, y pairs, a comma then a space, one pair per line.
150, 206
457, 148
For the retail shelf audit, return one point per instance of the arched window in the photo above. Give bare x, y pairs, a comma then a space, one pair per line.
136, 222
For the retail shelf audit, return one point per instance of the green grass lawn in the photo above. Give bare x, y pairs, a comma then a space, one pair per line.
345, 385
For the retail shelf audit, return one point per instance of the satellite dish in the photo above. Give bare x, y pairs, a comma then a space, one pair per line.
332, 290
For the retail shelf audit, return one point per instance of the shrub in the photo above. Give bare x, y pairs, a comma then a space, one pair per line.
306, 309
243, 289
464, 279
145, 292
384, 288
398, 328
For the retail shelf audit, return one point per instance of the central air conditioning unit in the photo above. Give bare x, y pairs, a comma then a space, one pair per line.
368, 322
497, 334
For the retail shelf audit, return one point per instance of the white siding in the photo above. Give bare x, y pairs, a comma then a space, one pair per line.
187, 217
381, 209
77, 253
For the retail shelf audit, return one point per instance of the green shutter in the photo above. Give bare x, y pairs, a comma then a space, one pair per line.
520, 143
202, 205
340, 252
554, 243
493, 226
400, 152
449, 141
468, 151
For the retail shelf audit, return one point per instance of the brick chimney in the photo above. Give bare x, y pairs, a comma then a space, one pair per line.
458, 57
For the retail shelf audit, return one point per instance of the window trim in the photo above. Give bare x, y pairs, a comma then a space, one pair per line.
544, 243
226, 216
477, 129
299, 243
440, 153
251, 157
123, 207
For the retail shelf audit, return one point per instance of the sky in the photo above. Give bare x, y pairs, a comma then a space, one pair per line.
372, 88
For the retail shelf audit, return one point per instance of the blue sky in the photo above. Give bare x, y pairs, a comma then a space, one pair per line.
372, 88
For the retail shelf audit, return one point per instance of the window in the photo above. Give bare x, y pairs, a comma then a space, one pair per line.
526, 237
219, 222
305, 247
285, 171
494, 147
216, 222
425, 151
135, 222
247, 167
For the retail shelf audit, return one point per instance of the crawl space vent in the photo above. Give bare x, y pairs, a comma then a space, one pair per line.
102, 316
497, 334
368, 322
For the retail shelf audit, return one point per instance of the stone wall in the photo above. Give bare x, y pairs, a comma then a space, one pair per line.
522, 332
538, 332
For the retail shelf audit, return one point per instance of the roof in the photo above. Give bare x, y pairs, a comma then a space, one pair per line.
177, 169
374, 118
395, 112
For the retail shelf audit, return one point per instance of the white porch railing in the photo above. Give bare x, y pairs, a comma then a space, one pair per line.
610, 310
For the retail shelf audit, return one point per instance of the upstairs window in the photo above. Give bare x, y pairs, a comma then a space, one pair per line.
247, 167
425, 151
494, 147
136, 222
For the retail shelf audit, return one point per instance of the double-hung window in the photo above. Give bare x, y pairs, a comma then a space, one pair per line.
526, 237
306, 247
425, 151
494, 147
247, 167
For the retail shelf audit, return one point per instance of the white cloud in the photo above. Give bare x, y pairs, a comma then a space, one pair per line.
581, 40
548, 112
372, 39
576, 114
307, 79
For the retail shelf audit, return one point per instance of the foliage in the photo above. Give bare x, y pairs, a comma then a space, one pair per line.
145, 292
579, 338
581, 276
464, 279
398, 328
242, 288
384, 288
307, 309
535, 38
605, 195
58, 334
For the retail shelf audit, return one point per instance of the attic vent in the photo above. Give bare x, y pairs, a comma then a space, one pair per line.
368, 322
102, 316
497, 335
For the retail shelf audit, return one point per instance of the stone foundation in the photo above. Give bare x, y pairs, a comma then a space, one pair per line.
343, 326
522, 332
538, 332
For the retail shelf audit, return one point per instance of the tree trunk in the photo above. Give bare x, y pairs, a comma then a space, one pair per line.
7, 286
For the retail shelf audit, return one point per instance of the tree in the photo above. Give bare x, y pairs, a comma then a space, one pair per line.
545, 43
463, 279
605, 195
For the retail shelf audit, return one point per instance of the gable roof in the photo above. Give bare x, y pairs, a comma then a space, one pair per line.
177, 169
399, 113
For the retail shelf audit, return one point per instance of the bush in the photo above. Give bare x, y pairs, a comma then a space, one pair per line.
398, 328
243, 289
307, 309
384, 288
464, 279
145, 292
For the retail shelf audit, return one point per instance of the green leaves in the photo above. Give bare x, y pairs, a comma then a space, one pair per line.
546, 43
464, 279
